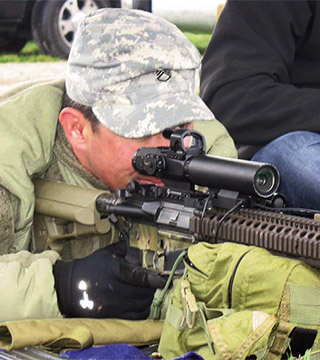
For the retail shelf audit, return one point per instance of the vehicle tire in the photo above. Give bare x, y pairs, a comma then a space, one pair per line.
12, 44
54, 22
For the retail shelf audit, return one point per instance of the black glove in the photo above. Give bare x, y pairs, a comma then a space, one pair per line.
105, 285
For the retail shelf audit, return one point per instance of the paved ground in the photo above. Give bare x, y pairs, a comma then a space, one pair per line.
12, 73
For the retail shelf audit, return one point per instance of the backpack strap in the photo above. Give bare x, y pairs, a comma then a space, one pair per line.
281, 339
158, 300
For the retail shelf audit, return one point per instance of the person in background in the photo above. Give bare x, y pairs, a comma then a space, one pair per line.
261, 78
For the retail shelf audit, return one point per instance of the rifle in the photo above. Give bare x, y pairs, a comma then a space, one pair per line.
240, 203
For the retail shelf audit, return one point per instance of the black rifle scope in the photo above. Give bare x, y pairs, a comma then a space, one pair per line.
185, 160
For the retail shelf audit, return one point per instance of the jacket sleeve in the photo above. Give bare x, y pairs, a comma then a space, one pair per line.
27, 286
26, 280
245, 76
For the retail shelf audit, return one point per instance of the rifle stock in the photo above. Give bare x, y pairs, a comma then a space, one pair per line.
73, 203
57, 205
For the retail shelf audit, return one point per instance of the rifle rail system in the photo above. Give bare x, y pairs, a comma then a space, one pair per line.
281, 234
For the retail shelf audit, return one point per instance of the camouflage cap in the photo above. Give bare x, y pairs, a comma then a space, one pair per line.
136, 70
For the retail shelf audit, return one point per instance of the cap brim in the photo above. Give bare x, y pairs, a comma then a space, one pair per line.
146, 119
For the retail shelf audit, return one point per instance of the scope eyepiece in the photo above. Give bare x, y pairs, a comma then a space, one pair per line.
151, 164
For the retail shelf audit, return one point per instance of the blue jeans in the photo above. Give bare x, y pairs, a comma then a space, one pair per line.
297, 157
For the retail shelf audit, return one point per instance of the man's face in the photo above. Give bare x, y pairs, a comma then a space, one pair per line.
109, 157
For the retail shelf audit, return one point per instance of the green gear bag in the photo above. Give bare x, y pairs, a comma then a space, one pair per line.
240, 302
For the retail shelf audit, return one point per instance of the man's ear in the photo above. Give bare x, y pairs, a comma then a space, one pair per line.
76, 127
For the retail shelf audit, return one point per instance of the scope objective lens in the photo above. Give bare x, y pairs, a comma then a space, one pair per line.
266, 181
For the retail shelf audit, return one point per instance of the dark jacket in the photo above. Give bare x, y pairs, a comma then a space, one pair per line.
261, 71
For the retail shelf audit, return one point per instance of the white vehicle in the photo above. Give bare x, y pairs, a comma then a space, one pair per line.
193, 15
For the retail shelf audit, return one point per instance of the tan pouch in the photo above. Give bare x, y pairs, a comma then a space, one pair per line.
58, 334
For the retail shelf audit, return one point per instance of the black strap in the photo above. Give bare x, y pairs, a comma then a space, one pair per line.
301, 340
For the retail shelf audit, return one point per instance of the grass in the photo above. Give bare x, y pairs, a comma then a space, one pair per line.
306, 356
200, 40
31, 53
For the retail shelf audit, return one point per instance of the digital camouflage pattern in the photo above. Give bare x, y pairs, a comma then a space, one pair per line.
137, 71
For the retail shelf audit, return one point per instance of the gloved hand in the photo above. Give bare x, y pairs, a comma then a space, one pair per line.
105, 285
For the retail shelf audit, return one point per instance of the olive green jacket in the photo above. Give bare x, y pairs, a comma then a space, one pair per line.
31, 147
